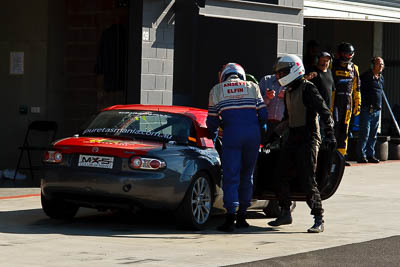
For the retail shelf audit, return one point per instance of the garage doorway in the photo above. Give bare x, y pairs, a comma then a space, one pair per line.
251, 44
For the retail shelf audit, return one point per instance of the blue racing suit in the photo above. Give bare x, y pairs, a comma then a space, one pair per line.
237, 106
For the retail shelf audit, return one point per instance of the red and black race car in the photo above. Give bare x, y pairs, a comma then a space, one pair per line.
153, 156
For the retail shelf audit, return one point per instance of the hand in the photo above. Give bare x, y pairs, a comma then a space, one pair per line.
270, 94
311, 75
330, 140
356, 110
281, 94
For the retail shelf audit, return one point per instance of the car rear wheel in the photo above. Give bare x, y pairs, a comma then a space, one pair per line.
58, 209
195, 208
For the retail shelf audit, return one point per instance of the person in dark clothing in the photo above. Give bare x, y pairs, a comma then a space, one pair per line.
311, 54
371, 105
346, 97
303, 104
321, 76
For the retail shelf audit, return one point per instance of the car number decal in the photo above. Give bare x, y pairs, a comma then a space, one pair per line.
96, 161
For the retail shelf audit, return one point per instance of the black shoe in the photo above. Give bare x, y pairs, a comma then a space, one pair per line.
318, 226
284, 218
373, 160
228, 225
346, 163
241, 221
362, 160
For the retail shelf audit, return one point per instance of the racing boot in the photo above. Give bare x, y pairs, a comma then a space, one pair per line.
241, 221
228, 225
318, 226
284, 218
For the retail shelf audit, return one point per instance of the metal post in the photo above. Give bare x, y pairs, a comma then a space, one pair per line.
391, 112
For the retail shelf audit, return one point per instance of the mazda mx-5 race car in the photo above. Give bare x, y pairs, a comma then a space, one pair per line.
153, 156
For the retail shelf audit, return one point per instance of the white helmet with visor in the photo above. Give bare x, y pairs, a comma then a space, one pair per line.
290, 68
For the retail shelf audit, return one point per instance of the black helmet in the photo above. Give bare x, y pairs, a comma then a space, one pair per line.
346, 51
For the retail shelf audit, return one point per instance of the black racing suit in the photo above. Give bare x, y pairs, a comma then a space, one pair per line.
303, 104
346, 99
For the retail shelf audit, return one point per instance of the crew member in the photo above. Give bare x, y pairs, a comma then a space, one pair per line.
273, 94
371, 92
321, 76
303, 104
346, 98
237, 106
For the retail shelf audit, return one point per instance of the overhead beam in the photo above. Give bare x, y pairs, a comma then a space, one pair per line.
350, 10
252, 11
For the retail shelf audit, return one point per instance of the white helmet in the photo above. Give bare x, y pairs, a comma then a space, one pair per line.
229, 69
293, 66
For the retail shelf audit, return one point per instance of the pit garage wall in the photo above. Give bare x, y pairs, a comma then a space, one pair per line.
290, 38
157, 52
23, 27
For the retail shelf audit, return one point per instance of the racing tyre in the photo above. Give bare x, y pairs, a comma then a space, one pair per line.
272, 210
58, 209
195, 209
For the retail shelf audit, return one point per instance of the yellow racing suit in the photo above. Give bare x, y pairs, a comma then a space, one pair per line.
346, 99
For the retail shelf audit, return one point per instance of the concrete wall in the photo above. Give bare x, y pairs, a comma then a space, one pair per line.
56, 79
290, 38
23, 27
157, 53
89, 84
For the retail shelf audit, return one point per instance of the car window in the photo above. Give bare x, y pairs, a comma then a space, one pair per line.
142, 124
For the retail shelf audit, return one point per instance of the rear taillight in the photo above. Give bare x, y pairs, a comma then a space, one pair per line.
52, 157
139, 163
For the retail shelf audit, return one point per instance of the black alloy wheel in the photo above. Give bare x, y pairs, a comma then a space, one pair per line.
195, 209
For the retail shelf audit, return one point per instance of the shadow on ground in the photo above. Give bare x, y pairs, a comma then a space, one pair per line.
147, 224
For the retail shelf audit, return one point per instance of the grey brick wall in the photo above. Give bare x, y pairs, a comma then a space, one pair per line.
157, 54
290, 38
292, 3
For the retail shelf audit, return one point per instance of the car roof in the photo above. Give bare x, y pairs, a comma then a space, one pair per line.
196, 114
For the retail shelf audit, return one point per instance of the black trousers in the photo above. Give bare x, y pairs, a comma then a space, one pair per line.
299, 162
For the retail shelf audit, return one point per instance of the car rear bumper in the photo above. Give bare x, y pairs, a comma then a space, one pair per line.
107, 189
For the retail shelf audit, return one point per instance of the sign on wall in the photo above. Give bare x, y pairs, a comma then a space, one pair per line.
16, 63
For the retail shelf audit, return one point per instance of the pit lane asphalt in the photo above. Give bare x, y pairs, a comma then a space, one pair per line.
361, 230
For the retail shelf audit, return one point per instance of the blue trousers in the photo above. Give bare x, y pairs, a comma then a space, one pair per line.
240, 147
369, 122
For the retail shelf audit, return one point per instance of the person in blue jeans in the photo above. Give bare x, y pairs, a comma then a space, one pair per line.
236, 105
372, 83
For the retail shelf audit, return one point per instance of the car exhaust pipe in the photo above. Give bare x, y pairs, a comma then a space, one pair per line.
126, 188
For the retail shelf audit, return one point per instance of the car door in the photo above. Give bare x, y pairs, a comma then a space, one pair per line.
330, 169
